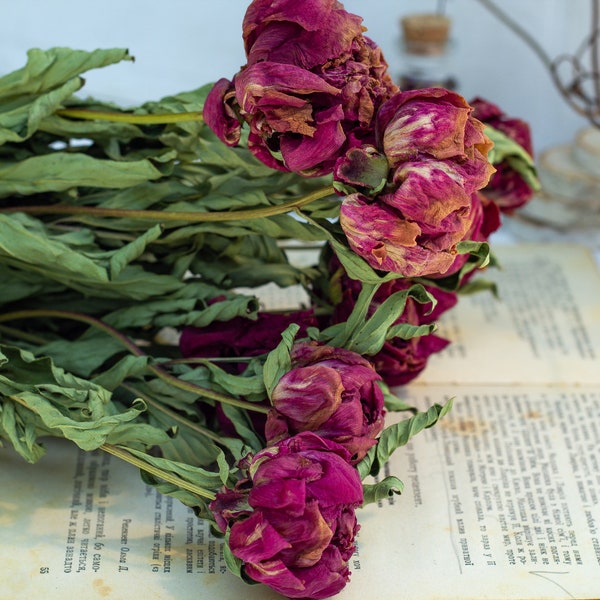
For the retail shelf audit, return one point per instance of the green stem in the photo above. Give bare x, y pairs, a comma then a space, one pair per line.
140, 464
133, 119
212, 359
21, 335
172, 414
136, 351
164, 215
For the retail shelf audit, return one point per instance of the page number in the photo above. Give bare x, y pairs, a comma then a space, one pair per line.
44, 570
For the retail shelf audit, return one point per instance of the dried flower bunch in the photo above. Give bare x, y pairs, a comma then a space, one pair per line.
122, 230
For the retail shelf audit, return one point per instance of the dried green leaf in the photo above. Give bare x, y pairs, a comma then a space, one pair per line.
397, 435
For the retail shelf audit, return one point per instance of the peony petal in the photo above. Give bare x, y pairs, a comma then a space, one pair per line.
254, 540
306, 34
308, 396
327, 578
219, 112
288, 495
309, 535
326, 143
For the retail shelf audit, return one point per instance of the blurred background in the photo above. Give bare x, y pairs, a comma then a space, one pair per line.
182, 44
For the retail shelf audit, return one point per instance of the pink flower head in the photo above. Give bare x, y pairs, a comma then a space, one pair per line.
506, 188
437, 158
332, 392
240, 336
293, 521
310, 89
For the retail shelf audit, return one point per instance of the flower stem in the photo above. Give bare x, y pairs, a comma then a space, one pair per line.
165, 215
21, 335
140, 464
133, 119
135, 350
172, 414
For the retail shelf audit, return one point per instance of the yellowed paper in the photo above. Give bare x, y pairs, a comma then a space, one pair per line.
501, 500
543, 328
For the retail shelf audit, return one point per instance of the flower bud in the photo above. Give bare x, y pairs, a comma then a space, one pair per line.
437, 153
332, 392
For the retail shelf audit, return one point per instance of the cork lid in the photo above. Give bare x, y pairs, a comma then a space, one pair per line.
425, 33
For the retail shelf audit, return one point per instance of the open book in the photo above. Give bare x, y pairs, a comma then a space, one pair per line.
501, 499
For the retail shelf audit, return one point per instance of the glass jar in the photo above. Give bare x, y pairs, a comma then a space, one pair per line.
426, 52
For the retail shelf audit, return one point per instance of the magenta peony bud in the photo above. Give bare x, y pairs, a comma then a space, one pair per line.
332, 392
240, 336
437, 153
506, 188
295, 531
310, 89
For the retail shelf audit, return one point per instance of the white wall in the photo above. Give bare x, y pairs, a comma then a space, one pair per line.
181, 44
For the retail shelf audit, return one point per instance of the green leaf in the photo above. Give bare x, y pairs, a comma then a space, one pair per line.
189, 473
60, 171
243, 426
278, 361
508, 150
21, 118
234, 564
38, 89
341, 334
193, 303
373, 333
81, 357
392, 402
45, 69
480, 258
37, 398
18, 284
129, 252
27, 244
367, 336
245, 385
375, 492
127, 367
397, 435
358, 268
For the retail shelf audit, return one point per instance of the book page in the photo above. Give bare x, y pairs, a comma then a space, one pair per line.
501, 498
544, 327
83, 525
501, 502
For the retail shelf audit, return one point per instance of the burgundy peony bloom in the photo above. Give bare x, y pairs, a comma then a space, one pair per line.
310, 89
240, 336
293, 521
506, 188
437, 158
332, 392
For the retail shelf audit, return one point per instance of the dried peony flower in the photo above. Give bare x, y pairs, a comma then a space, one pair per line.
310, 89
437, 158
241, 337
332, 392
507, 187
292, 521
